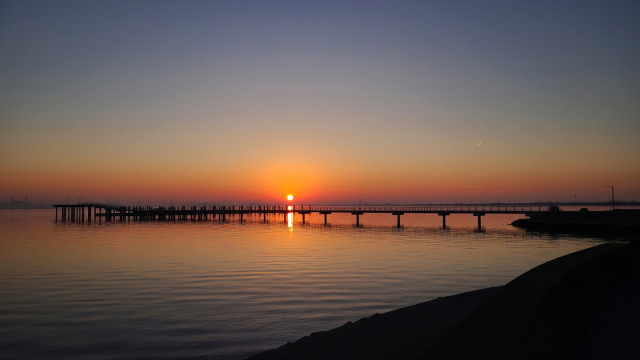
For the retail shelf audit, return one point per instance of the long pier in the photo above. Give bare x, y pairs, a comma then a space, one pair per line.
98, 211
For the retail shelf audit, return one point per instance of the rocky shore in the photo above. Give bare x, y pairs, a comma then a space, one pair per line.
617, 222
554, 311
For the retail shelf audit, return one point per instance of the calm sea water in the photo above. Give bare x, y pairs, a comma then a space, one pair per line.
228, 291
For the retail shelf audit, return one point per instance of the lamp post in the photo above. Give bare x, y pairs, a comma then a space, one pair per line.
613, 199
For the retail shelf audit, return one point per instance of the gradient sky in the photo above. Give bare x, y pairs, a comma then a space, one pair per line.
333, 101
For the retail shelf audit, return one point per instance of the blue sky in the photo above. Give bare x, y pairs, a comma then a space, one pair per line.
356, 92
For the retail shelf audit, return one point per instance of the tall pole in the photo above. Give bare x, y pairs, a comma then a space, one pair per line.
613, 199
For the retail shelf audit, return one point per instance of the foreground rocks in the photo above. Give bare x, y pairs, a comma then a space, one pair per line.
548, 312
406, 333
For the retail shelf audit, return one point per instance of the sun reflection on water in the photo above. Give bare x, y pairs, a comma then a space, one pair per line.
290, 221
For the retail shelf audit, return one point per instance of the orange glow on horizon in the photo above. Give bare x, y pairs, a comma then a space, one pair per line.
319, 183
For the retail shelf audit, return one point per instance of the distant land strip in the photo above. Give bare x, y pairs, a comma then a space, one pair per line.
31, 205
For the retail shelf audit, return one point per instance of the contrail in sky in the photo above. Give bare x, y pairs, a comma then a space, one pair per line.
480, 143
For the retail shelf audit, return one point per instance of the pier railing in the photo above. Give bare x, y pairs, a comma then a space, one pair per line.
422, 209
110, 212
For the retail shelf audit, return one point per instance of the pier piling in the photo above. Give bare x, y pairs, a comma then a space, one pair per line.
110, 213
479, 215
357, 214
444, 218
397, 214
325, 213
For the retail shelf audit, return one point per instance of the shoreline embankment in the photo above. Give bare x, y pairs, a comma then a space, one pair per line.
547, 312
615, 222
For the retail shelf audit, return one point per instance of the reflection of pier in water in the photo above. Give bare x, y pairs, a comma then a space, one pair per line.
412, 231
76, 213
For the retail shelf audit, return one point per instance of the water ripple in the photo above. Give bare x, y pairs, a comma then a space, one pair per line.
230, 290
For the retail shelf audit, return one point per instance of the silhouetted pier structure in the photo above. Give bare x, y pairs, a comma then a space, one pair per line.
99, 211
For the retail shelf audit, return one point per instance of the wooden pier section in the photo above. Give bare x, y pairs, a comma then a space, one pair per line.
98, 211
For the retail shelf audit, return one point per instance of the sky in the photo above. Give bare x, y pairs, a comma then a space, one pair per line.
331, 101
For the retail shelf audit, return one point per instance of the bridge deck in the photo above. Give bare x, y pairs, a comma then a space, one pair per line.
312, 209
76, 212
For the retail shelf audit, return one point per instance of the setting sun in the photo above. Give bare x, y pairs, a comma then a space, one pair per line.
290, 197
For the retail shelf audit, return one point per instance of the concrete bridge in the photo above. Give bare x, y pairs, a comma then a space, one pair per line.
77, 212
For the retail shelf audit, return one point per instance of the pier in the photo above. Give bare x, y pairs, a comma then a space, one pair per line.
97, 212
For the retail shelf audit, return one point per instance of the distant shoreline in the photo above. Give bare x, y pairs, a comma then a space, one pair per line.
21, 205
28, 205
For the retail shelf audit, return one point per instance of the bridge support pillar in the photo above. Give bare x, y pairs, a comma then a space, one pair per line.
444, 218
325, 215
303, 213
357, 214
397, 213
479, 215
